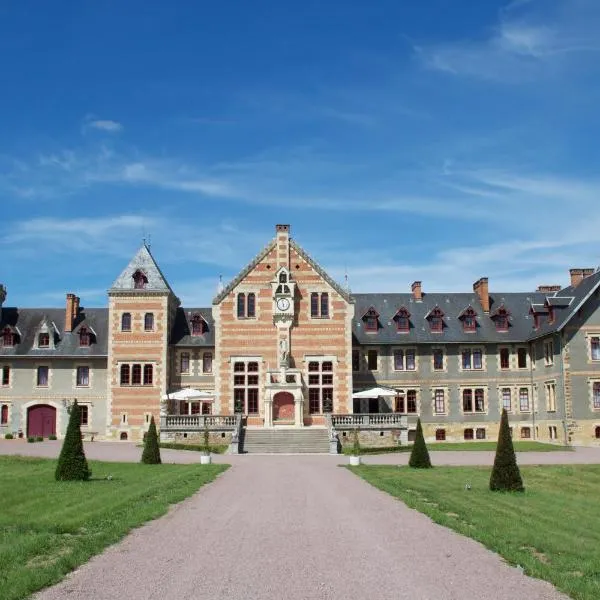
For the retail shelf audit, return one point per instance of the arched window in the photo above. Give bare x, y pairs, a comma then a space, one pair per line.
197, 323
7, 337
139, 280
149, 322
148, 373
126, 322
123, 436
252, 304
4, 415
241, 306
125, 375
84, 337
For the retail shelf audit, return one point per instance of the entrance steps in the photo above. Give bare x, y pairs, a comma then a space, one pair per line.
307, 440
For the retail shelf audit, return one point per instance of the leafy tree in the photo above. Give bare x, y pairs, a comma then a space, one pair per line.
151, 453
505, 474
72, 464
419, 457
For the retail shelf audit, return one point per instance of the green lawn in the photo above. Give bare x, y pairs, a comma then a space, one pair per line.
49, 528
463, 446
552, 530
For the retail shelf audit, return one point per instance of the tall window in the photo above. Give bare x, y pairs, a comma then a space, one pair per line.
406, 402
43, 340
126, 322
523, 399
320, 387
440, 402
399, 360
83, 376
404, 360
84, 337
596, 395
550, 396
548, 352
245, 387
207, 362
595, 348
148, 374
467, 362
522, 358
473, 400
504, 358
7, 337
438, 359
477, 359
5, 372
506, 399
84, 415
319, 305
149, 322
136, 375
402, 319
42, 376
372, 360
246, 305
356, 359
4, 415
197, 325
184, 363
125, 375
469, 320
436, 320
139, 280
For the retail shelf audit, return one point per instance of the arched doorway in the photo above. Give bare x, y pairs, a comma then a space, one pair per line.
41, 420
283, 406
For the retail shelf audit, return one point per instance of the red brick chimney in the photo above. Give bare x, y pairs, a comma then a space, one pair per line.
576, 276
588, 272
417, 291
76, 307
480, 287
283, 246
70, 313
548, 289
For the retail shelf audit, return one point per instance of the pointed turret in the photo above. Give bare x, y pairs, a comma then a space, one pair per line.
142, 273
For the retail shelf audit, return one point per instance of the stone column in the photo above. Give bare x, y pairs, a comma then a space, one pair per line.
298, 409
269, 409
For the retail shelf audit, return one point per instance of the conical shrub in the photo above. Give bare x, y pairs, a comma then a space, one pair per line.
419, 457
72, 464
151, 453
505, 474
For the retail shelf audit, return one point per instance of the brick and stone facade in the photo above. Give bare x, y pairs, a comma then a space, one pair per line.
286, 345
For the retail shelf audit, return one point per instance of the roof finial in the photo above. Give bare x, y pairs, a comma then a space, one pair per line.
346, 282
220, 284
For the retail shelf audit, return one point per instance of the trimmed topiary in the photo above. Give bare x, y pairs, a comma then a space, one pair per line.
9, 436
419, 457
505, 474
39, 438
72, 464
151, 453
31, 439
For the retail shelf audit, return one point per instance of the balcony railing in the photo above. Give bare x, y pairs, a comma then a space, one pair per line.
373, 421
197, 422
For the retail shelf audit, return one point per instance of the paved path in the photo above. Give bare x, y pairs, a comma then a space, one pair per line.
295, 528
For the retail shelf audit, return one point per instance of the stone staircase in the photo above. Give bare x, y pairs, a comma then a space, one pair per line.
308, 440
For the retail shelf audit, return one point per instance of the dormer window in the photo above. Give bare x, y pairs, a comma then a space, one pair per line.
139, 280
402, 318
43, 340
371, 320
536, 318
8, 338
283, 278
469, 319
436, 320
84, 337
500, 318
550, 313
198, 325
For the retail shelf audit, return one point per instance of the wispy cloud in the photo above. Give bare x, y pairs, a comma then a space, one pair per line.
530, 40
106, 125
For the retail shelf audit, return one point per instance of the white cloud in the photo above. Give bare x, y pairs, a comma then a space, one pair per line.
104, 125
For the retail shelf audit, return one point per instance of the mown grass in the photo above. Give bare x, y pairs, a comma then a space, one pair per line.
552, 530
48, 528
460, 446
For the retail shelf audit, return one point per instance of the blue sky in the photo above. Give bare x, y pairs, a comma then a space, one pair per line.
442, 140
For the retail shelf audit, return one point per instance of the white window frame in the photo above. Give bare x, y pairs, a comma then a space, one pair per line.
444, 368
550, 391
549, 352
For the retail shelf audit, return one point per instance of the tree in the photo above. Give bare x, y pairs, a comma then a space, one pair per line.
419, 457
151, 453
505, 474
72, 464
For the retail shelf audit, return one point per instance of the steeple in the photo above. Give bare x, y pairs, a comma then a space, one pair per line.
141, 274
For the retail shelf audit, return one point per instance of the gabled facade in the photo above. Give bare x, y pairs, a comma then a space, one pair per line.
285, 345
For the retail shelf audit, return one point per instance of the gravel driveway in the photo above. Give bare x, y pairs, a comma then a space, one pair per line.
299, 528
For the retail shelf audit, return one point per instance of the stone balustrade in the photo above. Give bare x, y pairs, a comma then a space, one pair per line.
370, 421
198, 422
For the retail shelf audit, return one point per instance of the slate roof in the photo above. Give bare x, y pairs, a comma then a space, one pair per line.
27, 321
144, 262
181, 333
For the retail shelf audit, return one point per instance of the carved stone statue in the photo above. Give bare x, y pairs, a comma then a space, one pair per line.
283, 353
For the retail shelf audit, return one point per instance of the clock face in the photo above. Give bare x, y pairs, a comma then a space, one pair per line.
283, 304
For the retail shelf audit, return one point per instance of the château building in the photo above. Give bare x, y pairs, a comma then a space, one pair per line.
283, 344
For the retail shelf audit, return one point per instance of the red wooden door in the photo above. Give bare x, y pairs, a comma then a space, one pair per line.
283, 406
41, 420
